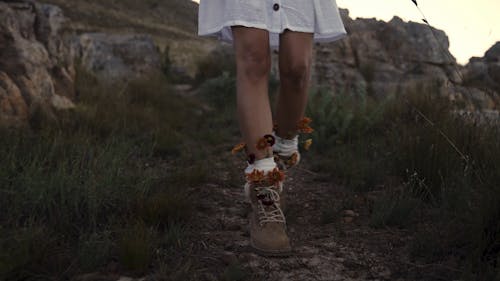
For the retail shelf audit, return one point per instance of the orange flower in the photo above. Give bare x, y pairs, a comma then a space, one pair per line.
293, 159
238, 148
275, 176
304, 122
306, 130
307, 144
255, 176
270, 139
262, 143
303, 126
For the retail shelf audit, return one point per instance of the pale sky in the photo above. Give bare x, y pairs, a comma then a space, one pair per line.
472, 26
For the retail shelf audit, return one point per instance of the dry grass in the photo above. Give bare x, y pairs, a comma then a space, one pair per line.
106, 181
448, 166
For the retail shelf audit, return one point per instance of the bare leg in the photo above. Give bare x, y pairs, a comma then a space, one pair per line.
295, 58
253, 65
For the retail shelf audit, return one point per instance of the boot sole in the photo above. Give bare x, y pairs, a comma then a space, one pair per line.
268, 253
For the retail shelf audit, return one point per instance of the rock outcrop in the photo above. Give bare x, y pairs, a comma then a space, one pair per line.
37, 61
115, 57
390, 58
484, 73
35, 67
377, 58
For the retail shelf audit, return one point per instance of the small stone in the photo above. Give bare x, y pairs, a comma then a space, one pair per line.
233, 227
96, 276
229, 258
210, 277
113, 267
123, 278
314, 262
348, 219
350, 213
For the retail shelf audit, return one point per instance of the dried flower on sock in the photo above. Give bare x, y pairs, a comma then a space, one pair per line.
305, 121
293, 159
270, 140
262, 144
307, 144
237, 148
303, 126
275, 176
255, 176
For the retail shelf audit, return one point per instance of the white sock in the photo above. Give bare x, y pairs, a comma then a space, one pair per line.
286, 147
266, 165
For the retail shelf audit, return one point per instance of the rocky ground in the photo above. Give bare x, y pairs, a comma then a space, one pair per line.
344, 249
329, 224
328, 227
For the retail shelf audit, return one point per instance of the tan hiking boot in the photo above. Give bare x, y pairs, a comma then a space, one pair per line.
267, 221
256, 177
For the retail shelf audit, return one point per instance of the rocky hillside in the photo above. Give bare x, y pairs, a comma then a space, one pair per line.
40, 42
36, 70
484, 73
390, 58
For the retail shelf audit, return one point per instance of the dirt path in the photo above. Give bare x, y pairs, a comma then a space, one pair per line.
329, 242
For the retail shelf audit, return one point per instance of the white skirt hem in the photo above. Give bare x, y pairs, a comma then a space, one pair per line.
224, 32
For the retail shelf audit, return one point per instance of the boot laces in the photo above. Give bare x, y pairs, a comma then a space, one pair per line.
273, 212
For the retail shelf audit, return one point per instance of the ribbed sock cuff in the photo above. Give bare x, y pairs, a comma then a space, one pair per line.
285, 147
266, 165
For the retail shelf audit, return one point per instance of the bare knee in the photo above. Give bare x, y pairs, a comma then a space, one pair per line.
296, 72
253, 63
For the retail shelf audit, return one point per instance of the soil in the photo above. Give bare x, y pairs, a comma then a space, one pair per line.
328, 227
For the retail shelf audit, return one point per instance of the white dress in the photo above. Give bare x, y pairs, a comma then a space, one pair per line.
321, 17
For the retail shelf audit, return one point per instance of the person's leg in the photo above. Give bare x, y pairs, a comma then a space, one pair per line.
264, 183
253, 65
295, 59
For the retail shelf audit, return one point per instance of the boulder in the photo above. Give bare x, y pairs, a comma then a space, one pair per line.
484, 73
390, 58
383, 58
117, 58
35, 67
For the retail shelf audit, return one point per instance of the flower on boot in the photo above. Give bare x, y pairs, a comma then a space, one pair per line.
237, 148
255, 176
262, 144
307, 144
303, 126
275, 176
270, 140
